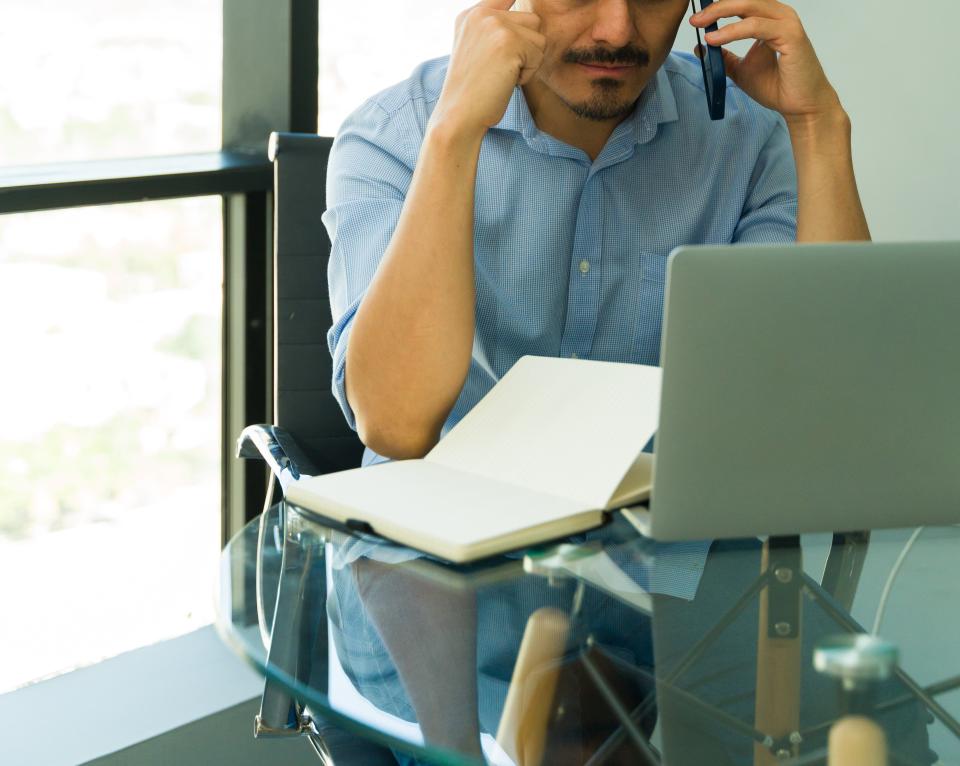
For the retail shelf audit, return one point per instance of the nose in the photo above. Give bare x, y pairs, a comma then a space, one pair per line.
614, 23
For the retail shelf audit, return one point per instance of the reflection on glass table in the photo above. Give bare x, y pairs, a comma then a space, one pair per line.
567, 654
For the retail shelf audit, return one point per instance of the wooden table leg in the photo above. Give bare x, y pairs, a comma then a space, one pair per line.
777, 710
523, 725
856, 741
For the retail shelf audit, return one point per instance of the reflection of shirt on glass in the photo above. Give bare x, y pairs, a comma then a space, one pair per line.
570, 254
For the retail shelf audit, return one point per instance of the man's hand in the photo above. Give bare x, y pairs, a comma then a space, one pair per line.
495, 49
782, 72
794, 83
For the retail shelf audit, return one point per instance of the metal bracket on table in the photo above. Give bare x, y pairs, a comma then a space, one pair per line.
588, 564
784, 582
555, 563
305, 726
262, 730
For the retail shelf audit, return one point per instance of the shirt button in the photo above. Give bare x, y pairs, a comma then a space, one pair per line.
584, 266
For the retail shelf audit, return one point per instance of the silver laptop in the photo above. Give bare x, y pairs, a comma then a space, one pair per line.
808, 388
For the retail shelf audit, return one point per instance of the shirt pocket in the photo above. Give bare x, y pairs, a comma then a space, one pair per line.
649, 312
653, 266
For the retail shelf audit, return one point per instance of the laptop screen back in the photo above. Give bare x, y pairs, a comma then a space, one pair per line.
809, 388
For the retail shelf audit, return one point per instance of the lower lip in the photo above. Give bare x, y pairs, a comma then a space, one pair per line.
603, 71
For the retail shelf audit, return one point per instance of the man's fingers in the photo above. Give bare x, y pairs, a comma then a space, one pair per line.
753, 28
533, 52
523, 18
760, 54
528, 20
722, 9
731, 63
528, 72
533, 37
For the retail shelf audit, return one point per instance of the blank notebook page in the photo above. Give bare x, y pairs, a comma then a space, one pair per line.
567, 427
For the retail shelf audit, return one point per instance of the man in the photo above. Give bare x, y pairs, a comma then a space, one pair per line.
521, 197
474, 221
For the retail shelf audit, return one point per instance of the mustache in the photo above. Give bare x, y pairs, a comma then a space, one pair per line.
625, 56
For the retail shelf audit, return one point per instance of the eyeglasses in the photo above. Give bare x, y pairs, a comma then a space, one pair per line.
711, 62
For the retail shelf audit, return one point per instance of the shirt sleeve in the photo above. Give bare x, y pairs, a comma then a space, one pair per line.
770, 212
368, 176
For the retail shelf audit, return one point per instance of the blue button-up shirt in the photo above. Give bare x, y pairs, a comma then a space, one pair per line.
570, 254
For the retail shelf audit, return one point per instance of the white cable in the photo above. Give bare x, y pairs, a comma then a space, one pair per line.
882, 606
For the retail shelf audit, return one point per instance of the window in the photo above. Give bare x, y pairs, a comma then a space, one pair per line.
96, 79
111, 317
110, 451
135, 243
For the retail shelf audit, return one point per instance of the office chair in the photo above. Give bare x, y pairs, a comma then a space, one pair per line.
309, 436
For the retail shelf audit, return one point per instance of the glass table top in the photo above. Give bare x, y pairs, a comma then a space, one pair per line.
568, 654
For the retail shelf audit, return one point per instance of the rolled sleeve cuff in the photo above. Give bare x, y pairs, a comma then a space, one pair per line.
337, 339
775, 224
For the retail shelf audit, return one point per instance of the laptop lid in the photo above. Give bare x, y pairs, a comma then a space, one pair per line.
808, 388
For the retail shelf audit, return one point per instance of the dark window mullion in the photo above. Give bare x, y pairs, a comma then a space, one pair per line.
270, 76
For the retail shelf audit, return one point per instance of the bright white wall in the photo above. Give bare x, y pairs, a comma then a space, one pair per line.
895, 68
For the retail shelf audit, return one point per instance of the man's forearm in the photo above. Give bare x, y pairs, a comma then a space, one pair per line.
828, 206
412, 337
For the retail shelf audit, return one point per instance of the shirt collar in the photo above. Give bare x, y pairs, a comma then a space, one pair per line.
517, 117
657, 105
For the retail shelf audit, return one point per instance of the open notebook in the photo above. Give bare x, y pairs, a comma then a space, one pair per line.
554, 444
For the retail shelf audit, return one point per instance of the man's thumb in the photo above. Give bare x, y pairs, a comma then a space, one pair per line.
731, 61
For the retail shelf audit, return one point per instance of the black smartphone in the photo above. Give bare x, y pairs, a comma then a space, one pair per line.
714, 72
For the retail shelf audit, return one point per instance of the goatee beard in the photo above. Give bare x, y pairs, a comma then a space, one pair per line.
606, 103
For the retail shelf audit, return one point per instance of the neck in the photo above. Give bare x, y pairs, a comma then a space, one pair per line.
553, 116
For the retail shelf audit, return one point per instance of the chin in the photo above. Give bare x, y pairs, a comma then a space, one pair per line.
602, 104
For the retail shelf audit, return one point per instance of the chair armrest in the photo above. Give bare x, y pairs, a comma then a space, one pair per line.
277, 447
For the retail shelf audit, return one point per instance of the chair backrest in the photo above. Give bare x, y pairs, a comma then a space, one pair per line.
303, 403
